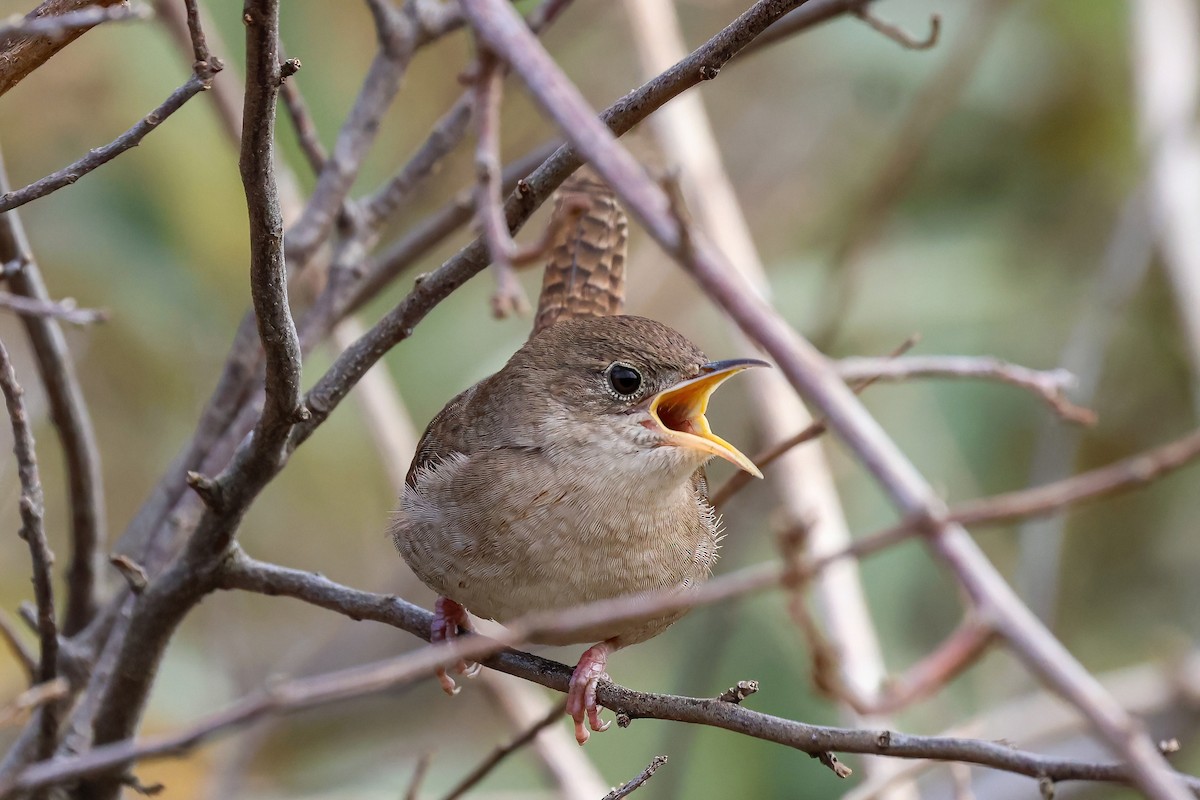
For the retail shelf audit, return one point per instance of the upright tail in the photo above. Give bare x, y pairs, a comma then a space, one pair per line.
585, 272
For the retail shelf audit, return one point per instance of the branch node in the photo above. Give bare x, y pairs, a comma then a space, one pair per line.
626, 789
289, 68
133, 572
624, 720
708, 73
1046, 787
884, 739
737, 693
831, 761
208, 489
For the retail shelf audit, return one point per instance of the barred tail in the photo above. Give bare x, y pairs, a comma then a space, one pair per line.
585, 273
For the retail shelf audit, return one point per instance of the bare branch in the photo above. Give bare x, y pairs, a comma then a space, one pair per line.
739, 480
21, 55
11, 638
811, 374
626, 789
33, 531
418, 777
504, 252
268, 272
203, 65
505, 750
1050, 385
1119, 477
808, 15
55, 27
899, 35
65, 310
906, 147
400, 33
242, 572
102, 155
305, 127
33, 697
69, 413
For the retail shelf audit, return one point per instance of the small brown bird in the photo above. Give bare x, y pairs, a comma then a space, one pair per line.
573, 474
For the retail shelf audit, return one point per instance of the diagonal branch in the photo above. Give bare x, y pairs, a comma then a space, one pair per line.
64, 310
245, 573
102, 155
22, 54
814, 377
58, 26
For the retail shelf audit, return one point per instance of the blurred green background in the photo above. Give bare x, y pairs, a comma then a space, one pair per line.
994, 246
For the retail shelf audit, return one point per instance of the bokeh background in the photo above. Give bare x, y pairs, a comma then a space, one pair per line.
998, 241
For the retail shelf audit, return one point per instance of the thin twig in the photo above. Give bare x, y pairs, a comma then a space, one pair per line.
739, 480
35, 696
56, 26
505, 750
33, 531
399, 34
626, 789
1128, 254
898, 34
102, 155
69, 413
304, 125
1049, 385
1122, 476
906, 147
203, 64
22, 54
418, 776
505, 253
24, 656
813, 376
64, 310
1037, 501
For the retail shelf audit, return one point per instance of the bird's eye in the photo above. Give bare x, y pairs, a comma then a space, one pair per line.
624, 379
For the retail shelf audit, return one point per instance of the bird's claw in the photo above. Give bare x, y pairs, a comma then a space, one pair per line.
581, 692
448, 617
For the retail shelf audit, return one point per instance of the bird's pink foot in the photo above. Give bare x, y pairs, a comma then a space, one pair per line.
448, 617
581, 692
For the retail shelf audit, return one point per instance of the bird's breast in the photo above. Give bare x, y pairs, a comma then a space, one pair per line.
508, 533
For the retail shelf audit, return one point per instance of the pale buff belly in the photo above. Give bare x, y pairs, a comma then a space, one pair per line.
504, 546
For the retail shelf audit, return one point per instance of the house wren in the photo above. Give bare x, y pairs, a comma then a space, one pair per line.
574, 474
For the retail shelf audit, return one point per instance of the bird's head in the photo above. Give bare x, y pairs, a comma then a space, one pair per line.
628, 390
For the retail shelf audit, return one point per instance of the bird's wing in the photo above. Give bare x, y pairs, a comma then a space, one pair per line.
445, 436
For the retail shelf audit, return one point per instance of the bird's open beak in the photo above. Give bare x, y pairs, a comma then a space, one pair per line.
679, 411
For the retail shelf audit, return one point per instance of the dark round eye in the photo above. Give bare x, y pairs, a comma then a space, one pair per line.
624, 379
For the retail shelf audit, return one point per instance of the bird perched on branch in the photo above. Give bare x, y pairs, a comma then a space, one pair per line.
576, 472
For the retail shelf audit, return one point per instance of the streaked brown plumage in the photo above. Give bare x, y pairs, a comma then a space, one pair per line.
575, 473
585, 273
